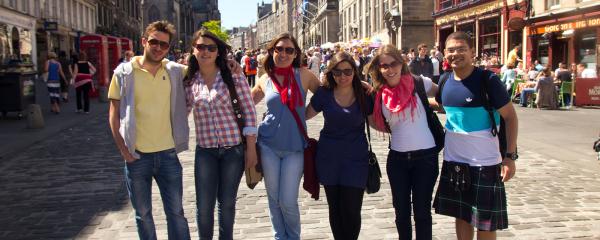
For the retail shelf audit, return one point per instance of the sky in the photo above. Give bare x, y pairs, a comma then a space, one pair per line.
238, 13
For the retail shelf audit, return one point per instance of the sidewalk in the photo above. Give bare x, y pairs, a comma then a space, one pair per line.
16, 137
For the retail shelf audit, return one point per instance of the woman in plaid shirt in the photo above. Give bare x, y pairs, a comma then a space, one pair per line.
220, 152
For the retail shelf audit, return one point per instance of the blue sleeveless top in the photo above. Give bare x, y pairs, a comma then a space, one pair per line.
53, 74
279, 130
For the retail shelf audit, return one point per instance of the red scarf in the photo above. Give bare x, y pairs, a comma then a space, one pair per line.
288, 91
396, 99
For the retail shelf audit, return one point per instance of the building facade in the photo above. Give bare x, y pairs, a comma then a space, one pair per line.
18, 40
483, 20
325, 26
120, 18
566, 31
265, 25
205, 10
179, 12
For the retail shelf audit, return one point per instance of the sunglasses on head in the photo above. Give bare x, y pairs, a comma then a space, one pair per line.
288, 50
155, 42
338, 72
209, 47
388, 66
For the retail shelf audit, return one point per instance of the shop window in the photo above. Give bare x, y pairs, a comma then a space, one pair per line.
489, 37
587, 48
469, 29
542, 51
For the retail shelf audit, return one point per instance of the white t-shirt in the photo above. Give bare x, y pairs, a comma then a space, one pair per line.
410, 134
588, 73
436, 66
314, 64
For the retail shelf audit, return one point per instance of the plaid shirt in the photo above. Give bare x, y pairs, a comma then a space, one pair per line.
216, 125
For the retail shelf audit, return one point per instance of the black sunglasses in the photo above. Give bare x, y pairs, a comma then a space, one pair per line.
163, 45
338, 72
209, 47
388, 66
288, 50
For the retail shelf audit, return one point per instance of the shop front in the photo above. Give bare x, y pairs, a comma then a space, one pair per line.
482, 22
570, 39
17, 61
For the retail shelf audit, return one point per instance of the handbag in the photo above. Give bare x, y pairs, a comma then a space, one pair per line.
374, 172
253, 174
597, 145
311, 182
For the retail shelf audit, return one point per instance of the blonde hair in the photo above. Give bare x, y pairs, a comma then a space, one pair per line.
52, 55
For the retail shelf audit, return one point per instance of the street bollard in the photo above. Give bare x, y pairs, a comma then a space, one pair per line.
35, 119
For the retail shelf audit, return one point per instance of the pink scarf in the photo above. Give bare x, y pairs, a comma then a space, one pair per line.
396, 99
294, 98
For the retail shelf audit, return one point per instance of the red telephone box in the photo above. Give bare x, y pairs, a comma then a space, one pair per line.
96, 48
114, 52
126, 44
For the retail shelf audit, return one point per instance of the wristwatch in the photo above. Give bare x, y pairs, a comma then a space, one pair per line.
513, 156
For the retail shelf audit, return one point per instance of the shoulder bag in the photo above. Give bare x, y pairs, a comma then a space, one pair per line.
374, 174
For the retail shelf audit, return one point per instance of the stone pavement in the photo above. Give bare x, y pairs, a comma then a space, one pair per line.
71, 186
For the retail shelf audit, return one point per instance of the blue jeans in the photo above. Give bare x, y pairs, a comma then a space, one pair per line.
218, 172
282, 172
525, 94
413, 172
165, 168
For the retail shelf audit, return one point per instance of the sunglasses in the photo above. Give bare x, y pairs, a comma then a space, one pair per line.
288, 50
155, 42
388, 66
209, 47
338, 72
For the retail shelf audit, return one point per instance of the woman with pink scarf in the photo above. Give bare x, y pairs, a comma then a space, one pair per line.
83, 71
412, 163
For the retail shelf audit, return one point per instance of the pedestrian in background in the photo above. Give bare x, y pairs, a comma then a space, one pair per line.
421, 63
220, 153
280, 139
53, 68
471, 187
250, 64
342, 155
65, 65
261, 59
412, 164
437, 67
148, 120
83, 82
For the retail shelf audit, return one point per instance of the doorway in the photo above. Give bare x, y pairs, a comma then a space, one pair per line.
560, 51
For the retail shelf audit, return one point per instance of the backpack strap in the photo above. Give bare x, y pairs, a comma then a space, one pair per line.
486, 101
237, 108
443, 79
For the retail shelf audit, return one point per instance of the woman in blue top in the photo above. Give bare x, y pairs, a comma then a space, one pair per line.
342, 153
55, 72
281, 142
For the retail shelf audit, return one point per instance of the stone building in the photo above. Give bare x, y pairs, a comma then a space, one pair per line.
121, 19
178, 12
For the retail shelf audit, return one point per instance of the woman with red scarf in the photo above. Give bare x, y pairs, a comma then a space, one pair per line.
412, 163
281, 142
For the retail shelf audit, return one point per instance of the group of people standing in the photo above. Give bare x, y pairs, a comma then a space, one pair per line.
151, 98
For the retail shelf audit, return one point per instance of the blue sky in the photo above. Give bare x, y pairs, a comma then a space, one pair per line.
236, 13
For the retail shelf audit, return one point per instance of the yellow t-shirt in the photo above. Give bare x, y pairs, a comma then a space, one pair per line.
152, 96
512, 58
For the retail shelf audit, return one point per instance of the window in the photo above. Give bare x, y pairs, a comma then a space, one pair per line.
444, 4
489, 37
542, 51
550, 4
587, 48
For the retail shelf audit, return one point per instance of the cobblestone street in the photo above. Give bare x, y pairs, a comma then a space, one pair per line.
71, 186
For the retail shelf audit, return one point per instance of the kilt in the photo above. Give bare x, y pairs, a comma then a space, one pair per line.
483, 205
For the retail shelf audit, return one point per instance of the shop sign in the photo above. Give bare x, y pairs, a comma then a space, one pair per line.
468, 13
559, 27
50, 26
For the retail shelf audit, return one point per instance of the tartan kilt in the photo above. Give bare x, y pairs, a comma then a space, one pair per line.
483, 205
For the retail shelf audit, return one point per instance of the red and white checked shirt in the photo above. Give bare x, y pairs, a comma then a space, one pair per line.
215, 123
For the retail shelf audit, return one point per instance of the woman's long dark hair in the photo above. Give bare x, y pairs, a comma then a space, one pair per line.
221, 60
357, 88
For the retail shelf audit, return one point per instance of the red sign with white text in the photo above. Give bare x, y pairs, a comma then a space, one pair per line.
587, 91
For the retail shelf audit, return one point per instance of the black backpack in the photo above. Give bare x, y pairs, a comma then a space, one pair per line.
500, 132
435, 126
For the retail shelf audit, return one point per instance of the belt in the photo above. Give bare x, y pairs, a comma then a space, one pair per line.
413, 154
